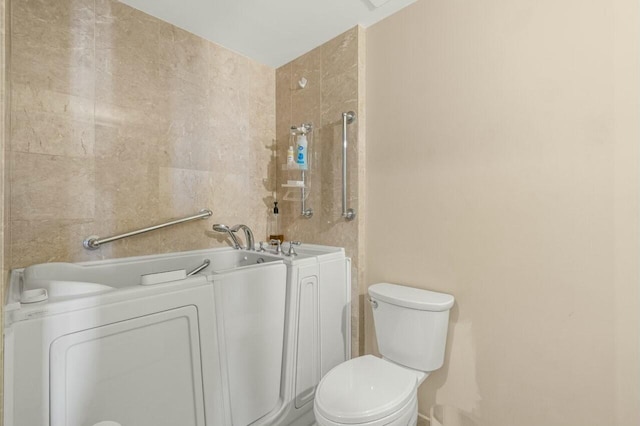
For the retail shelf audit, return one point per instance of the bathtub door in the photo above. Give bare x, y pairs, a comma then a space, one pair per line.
144, 371
250, 312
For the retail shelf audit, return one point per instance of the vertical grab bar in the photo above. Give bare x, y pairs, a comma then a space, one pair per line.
347, 118
305, 212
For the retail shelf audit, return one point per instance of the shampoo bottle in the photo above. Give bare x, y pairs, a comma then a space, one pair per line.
302, 157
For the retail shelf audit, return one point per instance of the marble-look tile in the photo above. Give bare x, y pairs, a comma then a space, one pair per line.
190, 140
339, 94
49, 122
283, 100
306, 106
308, 66
184, 191
179, 124
183, 237
263, 108
48, 187
231, 205
122, 27
232, 70
130, 133
128, 141
340, 54
360, 155
119, 63
283, 125
184, 55
227, 68
128, 60
306, 101
125, 78
62, 23
29, 98
5, 245
126, 189
335, 90
270, 179
5, 233
61, 69
226, 112
261, 81
55, 134
52, 45
51, 240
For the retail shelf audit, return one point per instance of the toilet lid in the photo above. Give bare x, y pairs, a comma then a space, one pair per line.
364, 389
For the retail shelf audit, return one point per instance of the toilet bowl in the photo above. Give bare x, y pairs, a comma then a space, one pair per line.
367, 391
411, 327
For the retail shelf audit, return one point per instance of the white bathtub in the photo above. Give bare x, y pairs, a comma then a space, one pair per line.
237, 343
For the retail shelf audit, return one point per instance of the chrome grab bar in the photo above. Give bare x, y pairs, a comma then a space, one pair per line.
94, 242
347, 118
206, 263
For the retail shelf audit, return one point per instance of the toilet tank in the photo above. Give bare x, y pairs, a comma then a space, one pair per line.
411, 324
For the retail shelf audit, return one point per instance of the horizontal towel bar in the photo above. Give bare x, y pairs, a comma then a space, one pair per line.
93, 242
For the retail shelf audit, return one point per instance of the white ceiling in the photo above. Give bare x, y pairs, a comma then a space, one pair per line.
272, 32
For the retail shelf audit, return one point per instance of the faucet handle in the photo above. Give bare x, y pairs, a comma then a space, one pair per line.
291, 251
277, 244
262, 249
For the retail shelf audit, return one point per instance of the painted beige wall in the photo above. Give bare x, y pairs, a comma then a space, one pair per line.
503, 168
119, 121
334, 74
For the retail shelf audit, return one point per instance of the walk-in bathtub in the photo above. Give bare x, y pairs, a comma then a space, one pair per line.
137, 342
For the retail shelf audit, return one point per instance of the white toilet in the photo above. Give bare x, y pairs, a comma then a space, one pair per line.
411, 328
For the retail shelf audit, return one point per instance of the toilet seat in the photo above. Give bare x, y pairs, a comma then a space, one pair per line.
363, 390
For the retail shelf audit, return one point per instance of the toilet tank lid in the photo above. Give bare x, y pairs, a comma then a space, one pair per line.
410, 297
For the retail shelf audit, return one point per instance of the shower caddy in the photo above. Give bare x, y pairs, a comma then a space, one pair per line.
292, 187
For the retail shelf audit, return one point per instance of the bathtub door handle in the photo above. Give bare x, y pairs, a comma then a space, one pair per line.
206, 263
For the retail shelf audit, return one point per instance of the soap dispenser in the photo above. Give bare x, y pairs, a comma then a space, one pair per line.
274, 225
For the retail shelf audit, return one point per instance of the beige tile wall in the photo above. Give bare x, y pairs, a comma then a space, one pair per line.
4, 183
120, 120
334, 76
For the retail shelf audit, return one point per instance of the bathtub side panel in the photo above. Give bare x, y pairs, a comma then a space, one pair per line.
335, 313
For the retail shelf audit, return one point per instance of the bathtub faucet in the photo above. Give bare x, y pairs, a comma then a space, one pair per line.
248, 236
219, 227
276, 242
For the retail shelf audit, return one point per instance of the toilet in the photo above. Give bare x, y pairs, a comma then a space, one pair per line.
411, 328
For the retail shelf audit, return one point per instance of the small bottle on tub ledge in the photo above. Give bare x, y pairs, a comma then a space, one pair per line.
274, 232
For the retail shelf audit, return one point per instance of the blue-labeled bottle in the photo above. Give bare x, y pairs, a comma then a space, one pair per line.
301, 152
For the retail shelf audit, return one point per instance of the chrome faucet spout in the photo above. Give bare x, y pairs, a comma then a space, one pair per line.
219, 227
248, 235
